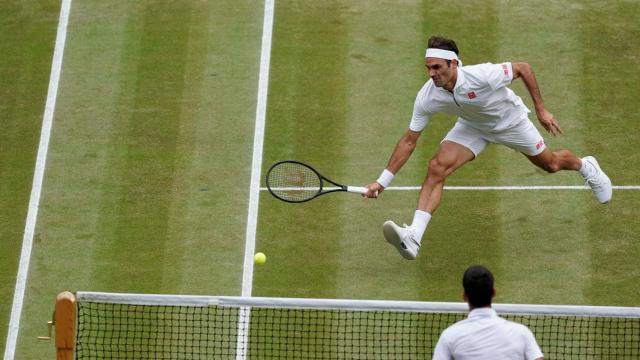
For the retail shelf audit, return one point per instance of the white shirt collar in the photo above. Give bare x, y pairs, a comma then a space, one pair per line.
484, 312
461, 82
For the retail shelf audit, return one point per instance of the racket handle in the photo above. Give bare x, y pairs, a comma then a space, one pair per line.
357, 189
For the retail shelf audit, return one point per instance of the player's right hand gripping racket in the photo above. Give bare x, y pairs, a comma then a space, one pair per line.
295, 182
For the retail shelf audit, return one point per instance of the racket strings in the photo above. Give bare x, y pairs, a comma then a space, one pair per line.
293, 182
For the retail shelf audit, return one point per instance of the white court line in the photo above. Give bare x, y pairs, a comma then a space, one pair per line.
36, 188
480, 188
258, 142
254, 192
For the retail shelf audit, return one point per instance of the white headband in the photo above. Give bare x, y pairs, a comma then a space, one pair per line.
442, 54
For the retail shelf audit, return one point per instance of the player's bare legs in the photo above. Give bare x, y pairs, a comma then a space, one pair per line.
449, 157
553, 161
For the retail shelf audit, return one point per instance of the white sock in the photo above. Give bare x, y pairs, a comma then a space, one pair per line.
587, 170
419, 224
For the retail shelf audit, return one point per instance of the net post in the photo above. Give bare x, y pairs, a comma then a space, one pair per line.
65, 325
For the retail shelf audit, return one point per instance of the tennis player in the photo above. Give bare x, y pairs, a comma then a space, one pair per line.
488, 112
485, 335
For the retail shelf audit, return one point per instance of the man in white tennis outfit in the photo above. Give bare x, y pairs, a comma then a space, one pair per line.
488, 112
484, 335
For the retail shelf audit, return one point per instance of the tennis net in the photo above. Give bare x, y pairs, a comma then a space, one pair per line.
128, 326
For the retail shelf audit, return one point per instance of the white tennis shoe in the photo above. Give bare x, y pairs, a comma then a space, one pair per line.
402, 238
599, 182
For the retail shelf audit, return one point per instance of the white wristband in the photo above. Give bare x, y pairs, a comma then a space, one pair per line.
385, 178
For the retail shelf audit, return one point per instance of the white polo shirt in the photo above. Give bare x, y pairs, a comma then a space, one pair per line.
480, 99
485, 335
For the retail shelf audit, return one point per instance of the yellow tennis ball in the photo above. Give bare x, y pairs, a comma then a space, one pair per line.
259, 258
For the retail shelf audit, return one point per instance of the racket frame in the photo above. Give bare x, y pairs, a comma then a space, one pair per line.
321, 191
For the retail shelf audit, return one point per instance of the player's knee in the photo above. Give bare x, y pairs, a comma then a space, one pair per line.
551, 167
437, 169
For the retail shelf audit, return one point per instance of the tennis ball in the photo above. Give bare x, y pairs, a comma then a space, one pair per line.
259, 258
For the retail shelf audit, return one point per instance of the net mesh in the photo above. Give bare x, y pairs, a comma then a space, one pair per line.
121, 331
294, 182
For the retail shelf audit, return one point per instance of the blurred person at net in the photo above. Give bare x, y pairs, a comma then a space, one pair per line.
484, 334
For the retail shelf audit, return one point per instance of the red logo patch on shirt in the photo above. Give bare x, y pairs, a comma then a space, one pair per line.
505, 68
539, 144
471, 95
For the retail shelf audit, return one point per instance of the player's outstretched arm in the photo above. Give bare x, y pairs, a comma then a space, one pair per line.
547, 120
401, 153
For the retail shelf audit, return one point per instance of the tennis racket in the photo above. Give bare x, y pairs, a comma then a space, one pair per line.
295, 182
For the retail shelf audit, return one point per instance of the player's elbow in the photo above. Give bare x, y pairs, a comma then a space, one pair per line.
520, 69
408, 144
410, 139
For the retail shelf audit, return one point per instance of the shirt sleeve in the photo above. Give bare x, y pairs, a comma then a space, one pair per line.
498, 75
421, 116
532, 350
442, 351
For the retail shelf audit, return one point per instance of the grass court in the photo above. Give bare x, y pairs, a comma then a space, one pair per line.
147, 179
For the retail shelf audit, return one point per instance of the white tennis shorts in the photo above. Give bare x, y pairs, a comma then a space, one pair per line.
522, 137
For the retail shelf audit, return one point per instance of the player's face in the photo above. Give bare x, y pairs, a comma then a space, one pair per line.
439, 71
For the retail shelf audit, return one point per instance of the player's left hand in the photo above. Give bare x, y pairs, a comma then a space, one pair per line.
549, 123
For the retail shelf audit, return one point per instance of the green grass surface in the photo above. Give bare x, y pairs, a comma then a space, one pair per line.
147, 180
27, 32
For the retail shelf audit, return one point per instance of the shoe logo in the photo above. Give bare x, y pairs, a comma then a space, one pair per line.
403, 245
